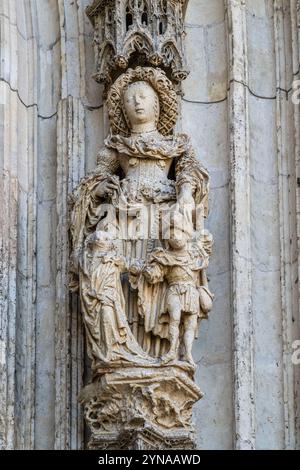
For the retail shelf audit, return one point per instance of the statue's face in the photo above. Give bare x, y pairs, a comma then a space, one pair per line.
177, 244
178, 239
141, 104
101, 241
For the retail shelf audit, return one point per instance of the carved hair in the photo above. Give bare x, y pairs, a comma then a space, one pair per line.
158, 80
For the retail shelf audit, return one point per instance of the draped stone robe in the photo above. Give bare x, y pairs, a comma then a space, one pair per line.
141, 167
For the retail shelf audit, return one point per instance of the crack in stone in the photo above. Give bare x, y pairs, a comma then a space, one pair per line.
297, 71
92, 108
205, 102
52, 45
287, 92
256, 95
264, 182
225, 185
35, 105
30, 38
28, 106
15, 25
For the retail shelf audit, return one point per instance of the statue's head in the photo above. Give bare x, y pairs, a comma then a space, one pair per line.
141, 105
142, 96
178, 232
100, 241
177, 240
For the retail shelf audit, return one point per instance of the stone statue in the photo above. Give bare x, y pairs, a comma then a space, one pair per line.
142, 291
186, 299
109, 337
142, 107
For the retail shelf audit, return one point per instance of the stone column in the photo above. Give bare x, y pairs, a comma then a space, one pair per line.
262, 127
19, 116
287, 117
241, 227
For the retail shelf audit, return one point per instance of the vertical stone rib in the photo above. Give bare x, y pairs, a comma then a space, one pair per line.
18, 223
62, 324
283, 171
65, 334
285, 238
76, 172
8, 243
293, 321
8, 267
18, 232
29, 415
27, 220
71, 168
69, 354
295, 15
240, 229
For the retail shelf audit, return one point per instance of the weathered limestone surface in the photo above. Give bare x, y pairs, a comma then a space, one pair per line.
237, 108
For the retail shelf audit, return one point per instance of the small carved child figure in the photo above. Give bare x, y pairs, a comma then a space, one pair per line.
187, 298
109, 336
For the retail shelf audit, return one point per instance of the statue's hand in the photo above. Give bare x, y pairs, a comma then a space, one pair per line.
134, 270
136, 267
106, 187
185, 197
186, 202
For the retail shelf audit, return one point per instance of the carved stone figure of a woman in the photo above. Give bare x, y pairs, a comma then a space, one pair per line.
142, 164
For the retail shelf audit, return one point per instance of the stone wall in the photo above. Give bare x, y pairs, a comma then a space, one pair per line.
244, 57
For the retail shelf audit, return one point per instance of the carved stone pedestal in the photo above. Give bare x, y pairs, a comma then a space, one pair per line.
141, 408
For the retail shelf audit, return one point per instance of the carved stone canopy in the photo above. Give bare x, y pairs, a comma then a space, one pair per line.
138, 32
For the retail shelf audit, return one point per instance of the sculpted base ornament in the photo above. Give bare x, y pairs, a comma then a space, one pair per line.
139, 255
